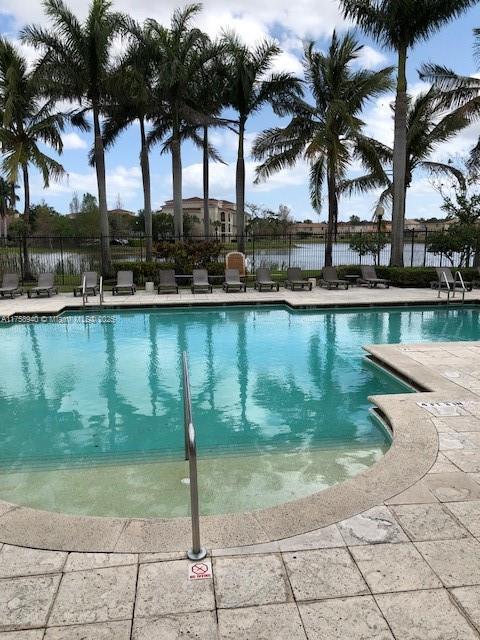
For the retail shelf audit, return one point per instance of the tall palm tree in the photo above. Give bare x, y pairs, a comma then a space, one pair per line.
400, 25
132, 100
75, 66
26, 122
179, 54
327, 132
428, 126
248, 90
212, 88
458, 91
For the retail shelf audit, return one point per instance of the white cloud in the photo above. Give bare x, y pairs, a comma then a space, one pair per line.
305, 18
123, 181
371, 58
72, 141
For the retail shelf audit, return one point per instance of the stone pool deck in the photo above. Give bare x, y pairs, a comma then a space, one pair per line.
318, 297
408, 568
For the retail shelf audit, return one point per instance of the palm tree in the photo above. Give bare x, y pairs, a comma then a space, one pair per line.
399, 25
25, 123
249, 89
458, 91
427, 127
179, 54
132, 100
211, 87
8, 199
75, 66
327, 132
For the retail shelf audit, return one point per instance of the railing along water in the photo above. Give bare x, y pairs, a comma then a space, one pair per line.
84, 291
197, 552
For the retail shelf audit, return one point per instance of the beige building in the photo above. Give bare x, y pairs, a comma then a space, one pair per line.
222, 215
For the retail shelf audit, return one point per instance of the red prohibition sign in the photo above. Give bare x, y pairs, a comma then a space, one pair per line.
200, 569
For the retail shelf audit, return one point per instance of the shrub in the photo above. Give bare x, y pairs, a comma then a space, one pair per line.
409, 276
187, 256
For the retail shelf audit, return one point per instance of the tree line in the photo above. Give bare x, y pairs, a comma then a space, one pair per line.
177, 83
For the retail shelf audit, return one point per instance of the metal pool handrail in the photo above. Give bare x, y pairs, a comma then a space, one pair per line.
101, 290
460, 279
197, 552
84, 290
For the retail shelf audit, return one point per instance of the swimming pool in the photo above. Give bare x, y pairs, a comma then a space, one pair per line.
91, 406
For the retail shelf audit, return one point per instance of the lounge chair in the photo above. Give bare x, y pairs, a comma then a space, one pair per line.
124, 283
369, 277
295, 279
200, 281
331, 280
45, 284
264, 279
91, 284
445, 276
167, 282
233, 282
10, 285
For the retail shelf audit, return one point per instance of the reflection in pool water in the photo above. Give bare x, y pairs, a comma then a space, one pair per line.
91, 413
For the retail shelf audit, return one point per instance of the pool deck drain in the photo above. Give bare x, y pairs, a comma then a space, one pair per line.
402, 562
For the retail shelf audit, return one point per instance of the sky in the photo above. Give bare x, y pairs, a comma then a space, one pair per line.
291, 24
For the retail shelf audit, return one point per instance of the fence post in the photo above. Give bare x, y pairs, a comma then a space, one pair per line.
413, 247
20, 255
289, 249
61, 260
425, 248
141, 248
253, 252
101, 254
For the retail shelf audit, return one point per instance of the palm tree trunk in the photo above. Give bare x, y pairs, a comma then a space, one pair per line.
240, 188
206, 179
102, 194
147, 197
27, 274
332, 215
177, 183
399, 162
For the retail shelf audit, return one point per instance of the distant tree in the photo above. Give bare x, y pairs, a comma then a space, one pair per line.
369, 244
354, 219
74, 206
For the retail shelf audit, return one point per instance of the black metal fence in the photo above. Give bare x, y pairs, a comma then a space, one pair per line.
68, 257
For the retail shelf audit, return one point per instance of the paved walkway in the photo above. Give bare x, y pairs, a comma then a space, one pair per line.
407, 569
317, 297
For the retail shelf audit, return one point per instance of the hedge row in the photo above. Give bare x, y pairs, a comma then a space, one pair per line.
398, 276
410, 276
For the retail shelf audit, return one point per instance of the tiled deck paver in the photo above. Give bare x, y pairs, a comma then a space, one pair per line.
326, 573
469, 600
424, 615
198, 626
375, 576
394, 567
250, 581
102, 631
270, 622
25, 602
99, 595
374, 526
428, 522
356, 618
456, 562
163, 588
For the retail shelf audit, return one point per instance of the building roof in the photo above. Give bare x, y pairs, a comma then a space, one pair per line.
200, 200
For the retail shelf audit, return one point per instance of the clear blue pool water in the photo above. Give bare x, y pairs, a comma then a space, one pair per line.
91, 412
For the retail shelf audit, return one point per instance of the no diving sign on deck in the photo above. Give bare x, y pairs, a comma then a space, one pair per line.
200, 570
